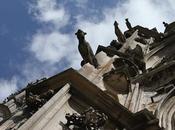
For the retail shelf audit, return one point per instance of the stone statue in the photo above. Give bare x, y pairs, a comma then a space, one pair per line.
115, 44
119, 34
128, 24
85, 49
165, 24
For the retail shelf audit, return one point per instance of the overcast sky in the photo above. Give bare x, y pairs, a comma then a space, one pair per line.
37, 36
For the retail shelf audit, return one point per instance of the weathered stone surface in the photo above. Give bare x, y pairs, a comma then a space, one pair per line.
133, 96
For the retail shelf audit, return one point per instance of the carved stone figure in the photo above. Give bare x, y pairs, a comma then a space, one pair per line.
85, 49
136, 55
127, 66
119, 34
116, 81
141, 40
165, 24
90, 119
137, 52
115, 44
128, 24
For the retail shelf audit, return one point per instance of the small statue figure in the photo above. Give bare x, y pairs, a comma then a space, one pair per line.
85, 49
165, 24
128, 24
119, 34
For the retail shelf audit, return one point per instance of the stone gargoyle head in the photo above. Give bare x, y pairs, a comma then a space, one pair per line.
80, 34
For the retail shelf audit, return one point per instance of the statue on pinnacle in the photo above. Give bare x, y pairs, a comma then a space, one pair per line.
119, 34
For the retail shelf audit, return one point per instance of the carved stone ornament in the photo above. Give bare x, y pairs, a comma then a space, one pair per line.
90, 119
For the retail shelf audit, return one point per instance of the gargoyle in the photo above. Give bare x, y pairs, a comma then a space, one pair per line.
85, 49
